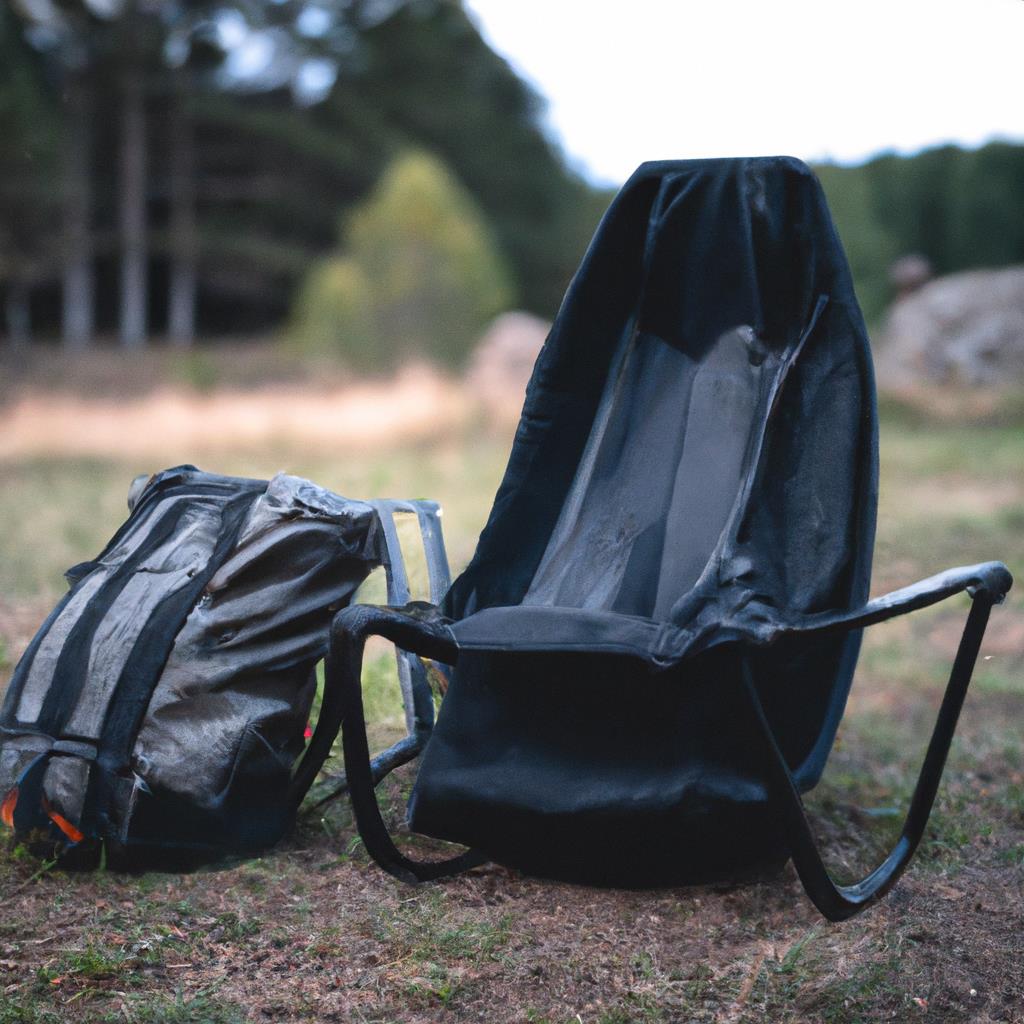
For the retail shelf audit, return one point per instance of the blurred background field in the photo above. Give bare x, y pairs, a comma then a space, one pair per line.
327, 237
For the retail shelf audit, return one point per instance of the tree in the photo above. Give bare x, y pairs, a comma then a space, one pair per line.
181, 314
427, 72
79, 286
28, 179
870, 247
133, 191
64, 32
986, 207
958, 208
229, 175
420, 274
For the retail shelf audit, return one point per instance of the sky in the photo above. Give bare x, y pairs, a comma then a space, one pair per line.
835, 80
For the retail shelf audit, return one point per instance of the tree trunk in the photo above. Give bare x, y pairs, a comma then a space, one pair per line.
134, 254
79, 280
17, 314
181, 317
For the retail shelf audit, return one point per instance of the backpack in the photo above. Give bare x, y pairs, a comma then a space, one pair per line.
654, 642
163, 706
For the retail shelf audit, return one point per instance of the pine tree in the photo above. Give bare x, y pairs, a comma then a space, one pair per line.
419, 274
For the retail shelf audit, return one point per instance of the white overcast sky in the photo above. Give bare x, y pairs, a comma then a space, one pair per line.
639, 80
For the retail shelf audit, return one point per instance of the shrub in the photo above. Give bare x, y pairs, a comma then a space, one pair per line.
419, 274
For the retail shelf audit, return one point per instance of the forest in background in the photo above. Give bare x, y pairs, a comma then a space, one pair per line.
192, 169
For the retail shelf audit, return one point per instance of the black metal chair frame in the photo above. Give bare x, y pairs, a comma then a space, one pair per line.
421, 632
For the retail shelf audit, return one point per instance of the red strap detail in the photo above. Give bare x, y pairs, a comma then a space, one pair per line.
7, 807
62, 823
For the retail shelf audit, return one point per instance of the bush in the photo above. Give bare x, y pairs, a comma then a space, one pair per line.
419, 275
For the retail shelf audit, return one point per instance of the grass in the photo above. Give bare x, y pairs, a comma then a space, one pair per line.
313, 931
149, 1008
182, 1009
425, 929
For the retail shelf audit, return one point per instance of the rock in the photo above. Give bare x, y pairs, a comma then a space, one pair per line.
965, 328
502, 362
909, 273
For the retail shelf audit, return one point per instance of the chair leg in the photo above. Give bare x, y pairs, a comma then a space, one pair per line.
838, 902
418, 700
343, 677
381, 766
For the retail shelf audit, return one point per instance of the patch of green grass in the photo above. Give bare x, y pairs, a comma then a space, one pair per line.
643, 965
196, 370
951, 828
795, 959
382, 699
440, 986
14, 1010
202, 1008
855, 1000
93, 963
328, 945
56, 513
929, 450
803, 984
253, 877
427, 929
236, 929
699, 982
1013, 855
90, 964
59, 511
998, 677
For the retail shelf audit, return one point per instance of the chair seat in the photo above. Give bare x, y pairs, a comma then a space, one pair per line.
518, 753
534, 628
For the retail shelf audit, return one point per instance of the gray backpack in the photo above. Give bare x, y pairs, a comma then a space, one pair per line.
162, 709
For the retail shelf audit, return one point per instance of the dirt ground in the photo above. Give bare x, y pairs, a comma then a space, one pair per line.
313, 931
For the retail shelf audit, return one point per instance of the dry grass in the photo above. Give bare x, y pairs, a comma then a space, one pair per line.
313, 931
419, 404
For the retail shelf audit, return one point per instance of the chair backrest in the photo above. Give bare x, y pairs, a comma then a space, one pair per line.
699, 439
664, 464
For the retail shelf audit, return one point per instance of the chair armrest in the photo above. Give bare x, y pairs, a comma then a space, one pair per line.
421, 629
417, 627
991, 580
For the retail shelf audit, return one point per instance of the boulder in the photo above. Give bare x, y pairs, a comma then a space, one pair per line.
909, 273
965, 328
502, 362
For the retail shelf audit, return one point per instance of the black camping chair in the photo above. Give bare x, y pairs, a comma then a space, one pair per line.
654, 642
